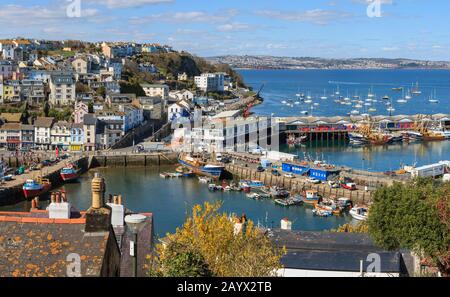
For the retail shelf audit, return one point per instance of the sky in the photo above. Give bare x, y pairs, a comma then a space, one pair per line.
416, 29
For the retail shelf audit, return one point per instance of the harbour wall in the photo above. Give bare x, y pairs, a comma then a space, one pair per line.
11, 192
297, 185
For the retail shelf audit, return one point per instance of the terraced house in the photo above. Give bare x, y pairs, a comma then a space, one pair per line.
60, 135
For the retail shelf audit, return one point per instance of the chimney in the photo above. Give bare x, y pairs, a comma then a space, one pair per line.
286, 224
98, 216
117, 211
58, 209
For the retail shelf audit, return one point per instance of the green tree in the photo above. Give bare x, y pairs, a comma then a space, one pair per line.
91, 107
209, 244
415, 216
46, 108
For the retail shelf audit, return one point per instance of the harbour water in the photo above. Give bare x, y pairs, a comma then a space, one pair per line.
282, 85
171, 200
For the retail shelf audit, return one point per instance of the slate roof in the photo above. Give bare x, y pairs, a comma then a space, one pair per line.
44, 122
89, 119
32, 245
332, 251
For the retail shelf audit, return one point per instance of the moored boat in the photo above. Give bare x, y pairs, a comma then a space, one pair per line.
70, 172
311, 197
198, 166
33, 188
359, 213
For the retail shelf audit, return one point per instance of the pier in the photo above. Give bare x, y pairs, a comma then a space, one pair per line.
337, 128
297, 184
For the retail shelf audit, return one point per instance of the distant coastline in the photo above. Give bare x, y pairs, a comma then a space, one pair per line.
307, 63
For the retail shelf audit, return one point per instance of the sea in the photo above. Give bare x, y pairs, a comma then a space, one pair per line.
276, 86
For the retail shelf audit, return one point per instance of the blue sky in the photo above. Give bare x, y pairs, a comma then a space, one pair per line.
322, 28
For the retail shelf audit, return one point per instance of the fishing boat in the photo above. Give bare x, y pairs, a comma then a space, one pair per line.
204, 179
312, 197
328, 205
164, 175
345, 203
412, 136
322, 213
278, 192
292, 140
201, 167
251, 183
33, 188
185, 172
282, 202
359, 213
70, 172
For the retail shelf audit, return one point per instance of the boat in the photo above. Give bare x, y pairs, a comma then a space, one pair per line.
397, 89
311, 197
199, 166
204, 179
251, 183
416, 90
322, 213
214, 187
282, 202
70, 172
412, 136
33, 188
433, 99
253, 195
328, 205
345, 203
304, 112
386, 97
164, 175
278, 192
176, 174
359, 213
402, 101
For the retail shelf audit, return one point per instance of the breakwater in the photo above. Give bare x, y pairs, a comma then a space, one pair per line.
297, 185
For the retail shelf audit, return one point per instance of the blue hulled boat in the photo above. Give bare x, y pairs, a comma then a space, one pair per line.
200, 167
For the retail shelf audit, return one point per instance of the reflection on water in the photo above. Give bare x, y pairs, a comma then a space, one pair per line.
374, 158
170, 200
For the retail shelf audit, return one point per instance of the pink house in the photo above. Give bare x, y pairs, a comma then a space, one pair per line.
81, 109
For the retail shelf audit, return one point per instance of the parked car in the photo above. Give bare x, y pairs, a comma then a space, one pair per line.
289, 175
333, 184
275, 172
260, 169
46, 163
313, 180
349, 186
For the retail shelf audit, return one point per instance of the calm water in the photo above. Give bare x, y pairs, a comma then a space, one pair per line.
171, 199
281, 85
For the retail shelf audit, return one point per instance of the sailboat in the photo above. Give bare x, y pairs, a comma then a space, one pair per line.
408, 95
416, 90
324, 97
433, 99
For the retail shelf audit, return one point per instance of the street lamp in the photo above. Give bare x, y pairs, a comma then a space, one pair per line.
135, 223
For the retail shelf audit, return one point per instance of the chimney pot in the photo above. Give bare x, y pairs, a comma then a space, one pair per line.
115, 199
119, 200
58, 197
98, 191
33, 204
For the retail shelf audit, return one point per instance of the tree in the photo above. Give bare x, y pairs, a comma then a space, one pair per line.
91, 107
415, 216
208, 237
46, 108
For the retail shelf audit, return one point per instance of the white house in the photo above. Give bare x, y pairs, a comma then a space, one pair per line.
60, 135
180, 95
42, 127
210, 82
155, 90
177, 111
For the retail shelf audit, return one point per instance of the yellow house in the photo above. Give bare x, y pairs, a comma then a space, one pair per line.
8, 92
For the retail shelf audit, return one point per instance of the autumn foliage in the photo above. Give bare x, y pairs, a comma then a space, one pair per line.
208, 245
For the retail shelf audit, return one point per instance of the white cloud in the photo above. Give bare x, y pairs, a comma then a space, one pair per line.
315, 16
127, 3
390, 49
187, 17
234, 27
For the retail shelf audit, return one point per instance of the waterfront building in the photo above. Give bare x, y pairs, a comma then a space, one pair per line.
98, 240
130, 116
76, 137
62, 89
89, 132
210, 82
26, 136
109, 132
156, 90
10, 135
42, 127
60, 135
